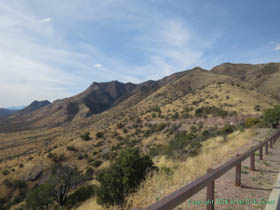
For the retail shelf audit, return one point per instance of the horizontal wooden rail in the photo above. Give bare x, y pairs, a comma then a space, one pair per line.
174, 199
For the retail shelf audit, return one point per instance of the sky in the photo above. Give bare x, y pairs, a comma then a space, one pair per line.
53, 49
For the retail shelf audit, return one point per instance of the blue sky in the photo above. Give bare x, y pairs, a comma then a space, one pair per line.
53, 49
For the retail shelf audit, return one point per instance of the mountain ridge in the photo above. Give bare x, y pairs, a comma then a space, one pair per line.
99, 97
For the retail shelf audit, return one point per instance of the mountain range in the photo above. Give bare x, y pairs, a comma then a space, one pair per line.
88, 129
100, 97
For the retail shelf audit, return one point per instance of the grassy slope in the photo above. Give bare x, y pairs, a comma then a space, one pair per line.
160, 184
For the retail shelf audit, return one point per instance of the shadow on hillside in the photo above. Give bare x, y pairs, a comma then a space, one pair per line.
269, 171
256, 188
276, 161
273, 154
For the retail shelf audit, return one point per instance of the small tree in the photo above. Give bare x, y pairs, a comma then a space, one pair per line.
272, 116
63, 180
39, 197
123, 177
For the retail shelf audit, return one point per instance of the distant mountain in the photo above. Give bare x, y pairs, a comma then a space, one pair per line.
15, 107
119, 97
6, 112
95, 99
33, 107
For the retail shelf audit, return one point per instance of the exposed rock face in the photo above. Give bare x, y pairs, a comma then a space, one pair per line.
35, 105
34, 173
97, 98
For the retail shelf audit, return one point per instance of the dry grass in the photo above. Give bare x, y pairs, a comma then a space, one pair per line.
90, 205
159, 185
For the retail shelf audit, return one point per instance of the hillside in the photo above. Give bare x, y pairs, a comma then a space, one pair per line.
149, 115
6, 112
103, 96
97, 98
264, 77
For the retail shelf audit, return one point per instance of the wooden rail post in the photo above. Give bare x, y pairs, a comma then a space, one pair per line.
210, 193
270, 143
238, 173
252, 161
266, 148
261, 153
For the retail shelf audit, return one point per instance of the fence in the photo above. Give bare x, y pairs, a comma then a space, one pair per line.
208, 180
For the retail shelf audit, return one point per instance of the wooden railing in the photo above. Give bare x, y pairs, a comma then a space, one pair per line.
208, 180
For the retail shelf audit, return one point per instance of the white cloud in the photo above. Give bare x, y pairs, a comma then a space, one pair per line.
98, 65
277, 47
40, 61
46, 20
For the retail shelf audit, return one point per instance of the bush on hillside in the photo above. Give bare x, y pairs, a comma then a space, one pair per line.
40, 197
99, 134
72, 148
215, 111
97, 163
182, 145
85, 136
2, 203
80, 195
122, 177
272, 116
227, 129
251, 122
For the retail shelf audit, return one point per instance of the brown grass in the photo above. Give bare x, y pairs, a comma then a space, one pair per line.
159, 185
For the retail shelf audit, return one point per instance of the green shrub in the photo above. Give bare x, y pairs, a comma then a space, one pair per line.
120, 125
89, 173
182, 145
251, 122
9, 184
175, 116
257, 108
227, 129
156, 109
80, 195
20, 184
72, 148
99, 134
272, 116
85, 136
40, 197
97, 163
18, 198
5, 172
205, 134
122, 177
204, 111
2, 203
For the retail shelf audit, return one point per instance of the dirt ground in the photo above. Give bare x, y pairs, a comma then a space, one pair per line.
255, 189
